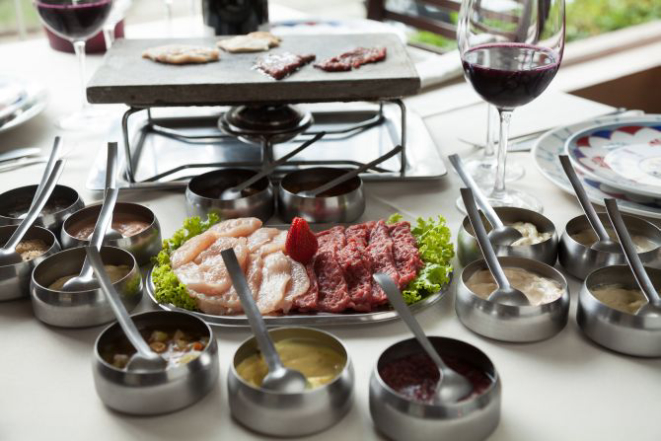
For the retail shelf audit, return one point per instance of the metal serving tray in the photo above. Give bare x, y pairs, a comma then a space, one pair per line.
319, 319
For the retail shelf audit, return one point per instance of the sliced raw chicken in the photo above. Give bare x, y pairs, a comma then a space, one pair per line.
196, 279
276, 275
240, 227
230, 300
261, 237
209, 304
277, 244
192, 248
300, 283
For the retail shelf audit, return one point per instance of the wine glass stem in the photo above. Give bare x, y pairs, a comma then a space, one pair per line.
492, 124
499, 187
79, 49
109, 35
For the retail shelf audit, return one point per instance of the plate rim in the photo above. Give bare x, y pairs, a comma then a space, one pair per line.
596, 176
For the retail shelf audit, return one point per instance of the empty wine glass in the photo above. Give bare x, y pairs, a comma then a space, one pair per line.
77, 21
511, 51
482, 165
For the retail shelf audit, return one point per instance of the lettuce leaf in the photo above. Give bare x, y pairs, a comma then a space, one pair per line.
436, 251
167, 287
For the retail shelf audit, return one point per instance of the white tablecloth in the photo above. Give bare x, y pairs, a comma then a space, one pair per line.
565, 388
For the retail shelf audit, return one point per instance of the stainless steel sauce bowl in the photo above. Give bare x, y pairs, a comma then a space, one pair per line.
580, 260
15, 279
616, 330
143, 245
203, 192
402, 419
153, 393
346, 206
469, 251
21, 197
512, 323
82, 308
297, 414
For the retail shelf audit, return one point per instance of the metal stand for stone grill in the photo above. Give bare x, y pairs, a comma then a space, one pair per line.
132, 153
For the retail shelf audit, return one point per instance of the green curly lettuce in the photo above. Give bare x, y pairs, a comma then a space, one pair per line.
167, 287
436, 251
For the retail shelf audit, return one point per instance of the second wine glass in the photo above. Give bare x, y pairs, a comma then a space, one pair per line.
510, 52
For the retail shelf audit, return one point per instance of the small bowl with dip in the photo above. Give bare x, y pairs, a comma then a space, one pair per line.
81, 309
137, 223
403, 401
185, 341
322, 359
607, 306
539, 241
544, 286
343, 203
37, 245
578, 258
204, 191
63, 203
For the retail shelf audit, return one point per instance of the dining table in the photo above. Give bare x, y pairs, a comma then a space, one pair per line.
563, 388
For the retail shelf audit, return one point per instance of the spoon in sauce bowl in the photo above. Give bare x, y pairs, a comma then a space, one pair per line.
500, 234
111, 183
50, 165
505, 293
451, 386
604, 242
236, 191
144, 359
653, 305
8, 254
279, 378
350, 175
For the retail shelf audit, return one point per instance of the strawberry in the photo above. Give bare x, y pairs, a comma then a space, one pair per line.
301, 242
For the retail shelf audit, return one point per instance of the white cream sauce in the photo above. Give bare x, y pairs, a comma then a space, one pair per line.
538, 289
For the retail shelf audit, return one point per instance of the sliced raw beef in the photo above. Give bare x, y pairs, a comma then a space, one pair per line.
308, 301
333, 289
283, 64
333, 237
382, 260
360, 233
358, 276
405, 250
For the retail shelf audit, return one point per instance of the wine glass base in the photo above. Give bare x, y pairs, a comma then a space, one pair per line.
483, 171
511, 198
85, 120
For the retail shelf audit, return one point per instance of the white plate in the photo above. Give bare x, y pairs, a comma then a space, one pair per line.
624, 155
545, 153
33, 104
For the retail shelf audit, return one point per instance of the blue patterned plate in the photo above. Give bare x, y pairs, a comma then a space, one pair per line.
625, 155
545, 153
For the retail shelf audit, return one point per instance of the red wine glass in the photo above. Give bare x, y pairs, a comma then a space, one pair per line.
510, 52
77, 21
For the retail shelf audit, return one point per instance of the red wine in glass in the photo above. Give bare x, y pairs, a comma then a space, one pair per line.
509, 75
74, 21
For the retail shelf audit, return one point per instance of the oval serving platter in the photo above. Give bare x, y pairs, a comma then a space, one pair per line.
319, 319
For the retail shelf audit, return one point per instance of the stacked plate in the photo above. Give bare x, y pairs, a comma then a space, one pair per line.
615, 156
20, 101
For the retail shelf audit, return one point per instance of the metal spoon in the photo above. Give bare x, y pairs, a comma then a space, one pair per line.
111, 182
8, 254
604, 242
451, 386
644, 283
235, 192
500, 234
85, 280
505, 293
279, 378
352, 174
144, 359
54, 155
